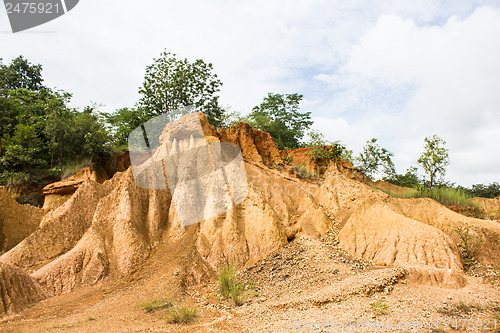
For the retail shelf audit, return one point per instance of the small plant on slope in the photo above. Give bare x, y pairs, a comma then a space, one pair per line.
181, 315
379, 307
230, 287
469, 244
152, 305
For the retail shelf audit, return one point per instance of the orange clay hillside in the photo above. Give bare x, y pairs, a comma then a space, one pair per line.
330, 246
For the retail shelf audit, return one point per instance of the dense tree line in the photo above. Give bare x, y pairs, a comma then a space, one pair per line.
39, 133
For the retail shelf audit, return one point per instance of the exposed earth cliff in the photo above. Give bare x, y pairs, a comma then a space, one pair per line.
109, 235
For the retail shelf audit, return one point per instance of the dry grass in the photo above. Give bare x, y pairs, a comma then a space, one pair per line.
152, 305
181, 315
230, 287
379, 308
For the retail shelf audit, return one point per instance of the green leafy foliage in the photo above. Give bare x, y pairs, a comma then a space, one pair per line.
181, 315
485, 191
20, 73
171, 83
379, 307
230, 287
39, 133
434, 159
155, 304
323, 152
373, 158
279, 114
469, 242
123, 121
409, 179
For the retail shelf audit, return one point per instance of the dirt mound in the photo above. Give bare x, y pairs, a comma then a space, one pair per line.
484, 233
366, 284
16, 221
55, 194
70, 184
380, 235
366, 212
489, 207
17, 289
108, 230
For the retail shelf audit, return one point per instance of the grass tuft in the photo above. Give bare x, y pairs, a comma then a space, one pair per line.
73, 167
379, 307
460, 308
63, 326
152, 305
230, 287
181, 315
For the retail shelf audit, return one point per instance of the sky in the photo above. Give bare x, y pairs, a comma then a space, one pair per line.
395, 70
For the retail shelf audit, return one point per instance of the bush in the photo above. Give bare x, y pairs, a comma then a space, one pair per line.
409, 179
485, 191
469, 244
327, 154
324, 152
181, 315
230, 287
73, 167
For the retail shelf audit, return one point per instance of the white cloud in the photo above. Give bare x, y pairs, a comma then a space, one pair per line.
354, 136
450, 72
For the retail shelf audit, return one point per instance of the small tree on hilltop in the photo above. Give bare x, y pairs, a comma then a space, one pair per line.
171, 83
434, 159
373, 157
279, 115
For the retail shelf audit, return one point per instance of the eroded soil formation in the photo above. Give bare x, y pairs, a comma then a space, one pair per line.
307, 249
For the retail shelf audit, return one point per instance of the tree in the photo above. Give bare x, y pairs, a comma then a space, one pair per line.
123, 121
434, 159
373, 157
409, 179
323, 152
39, 132
171, 83
279, 115
20, 74
486, 191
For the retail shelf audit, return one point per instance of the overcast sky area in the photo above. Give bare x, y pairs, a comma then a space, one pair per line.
394, 70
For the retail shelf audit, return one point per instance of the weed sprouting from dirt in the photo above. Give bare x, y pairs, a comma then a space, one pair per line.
460, 308
152, 305
469, 243
379, 308
63, 326
230, 287
181, 315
